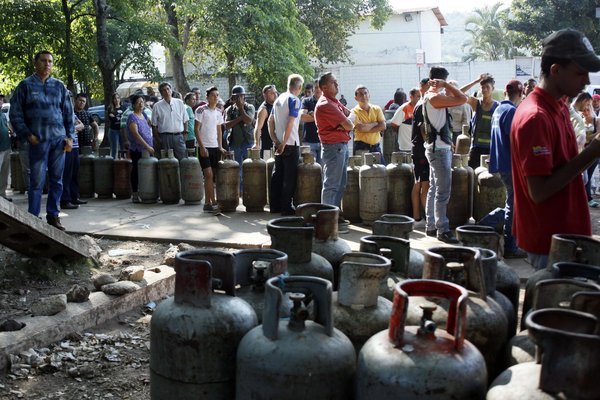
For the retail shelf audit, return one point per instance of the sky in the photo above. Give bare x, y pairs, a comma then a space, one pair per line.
447, 6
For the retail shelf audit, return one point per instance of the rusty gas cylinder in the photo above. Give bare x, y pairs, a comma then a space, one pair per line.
103, 174
228, 183
463, 141
187, 358
309, 181
351, 199
400, 181
458, 205
373, 196
358, 310
169, 181
192, 181
254, 173
421, 362
122, 176
568, 346
297, 358
86, 172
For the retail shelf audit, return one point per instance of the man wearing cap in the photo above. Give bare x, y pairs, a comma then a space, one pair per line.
239, 117
547, 168
499, 162
262, 140
169, 122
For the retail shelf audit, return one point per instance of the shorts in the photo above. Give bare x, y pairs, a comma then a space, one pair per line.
212, 161
421, 169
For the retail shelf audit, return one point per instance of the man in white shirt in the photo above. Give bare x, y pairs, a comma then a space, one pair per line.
209, 135
169, 120
283, 129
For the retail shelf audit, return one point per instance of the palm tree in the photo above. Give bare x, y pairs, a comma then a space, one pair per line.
490, 37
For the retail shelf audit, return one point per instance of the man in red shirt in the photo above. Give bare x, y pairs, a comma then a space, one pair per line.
546, 165
333, 126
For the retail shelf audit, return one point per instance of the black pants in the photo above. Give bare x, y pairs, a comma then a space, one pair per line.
283, 180
372, 148
475, 156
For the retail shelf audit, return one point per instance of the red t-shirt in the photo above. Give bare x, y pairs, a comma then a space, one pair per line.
329, 115
542, 140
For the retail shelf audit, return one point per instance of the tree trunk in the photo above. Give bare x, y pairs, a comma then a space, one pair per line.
231, 75
176, 55
68, 50
106, 69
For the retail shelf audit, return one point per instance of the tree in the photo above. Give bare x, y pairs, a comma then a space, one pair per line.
490, 37
533, 20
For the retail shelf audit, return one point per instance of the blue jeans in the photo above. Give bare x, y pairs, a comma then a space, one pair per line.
440, 183
335, 163
315, 149
46, 156
114, 139
537, 261
240, 154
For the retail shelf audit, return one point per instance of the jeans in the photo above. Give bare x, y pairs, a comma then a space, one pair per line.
440, 183
114, 139
335, 163
71, 177
46, 156
240, 154
315, 149
588, 184
537, 261
283, 180
372, 148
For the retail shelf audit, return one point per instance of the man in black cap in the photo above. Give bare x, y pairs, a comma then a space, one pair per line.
546, 164
239, 118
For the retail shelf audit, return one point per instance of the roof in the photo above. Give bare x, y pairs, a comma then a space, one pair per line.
397, 9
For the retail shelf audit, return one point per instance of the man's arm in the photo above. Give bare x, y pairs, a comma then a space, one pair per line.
260, 121
453, 96
307, 116
472, 101
272, 130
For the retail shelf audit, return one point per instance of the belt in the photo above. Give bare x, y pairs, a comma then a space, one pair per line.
170, 133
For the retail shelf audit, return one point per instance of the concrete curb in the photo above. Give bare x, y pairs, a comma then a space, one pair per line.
42, 331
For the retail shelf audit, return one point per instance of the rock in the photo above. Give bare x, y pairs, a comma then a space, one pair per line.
93, 247
169, 258
11, 325
120, 288
49, 305
78, 294
133, 273
102, 279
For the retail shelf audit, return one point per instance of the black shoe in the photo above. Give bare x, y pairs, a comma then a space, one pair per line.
431, 233
447, 237
518, 253
7, 199
55, 222
79, 201
68, 206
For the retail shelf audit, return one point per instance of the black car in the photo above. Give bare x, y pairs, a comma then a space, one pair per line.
97, 113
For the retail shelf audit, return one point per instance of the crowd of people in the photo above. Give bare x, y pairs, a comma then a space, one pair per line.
541, 139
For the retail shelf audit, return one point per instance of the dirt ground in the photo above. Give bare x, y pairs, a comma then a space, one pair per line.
110, 361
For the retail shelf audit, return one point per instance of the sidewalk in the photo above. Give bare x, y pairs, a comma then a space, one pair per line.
187, 223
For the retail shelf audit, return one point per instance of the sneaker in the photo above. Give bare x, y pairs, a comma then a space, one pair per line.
431, 233
211, 208
55, 222
343, 225
135, 198
419, 223
593, 203
79, 201
517, 253
447, 237
68, 206
215, 208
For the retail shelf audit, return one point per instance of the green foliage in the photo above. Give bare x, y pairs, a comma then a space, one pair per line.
490, 37
533, 20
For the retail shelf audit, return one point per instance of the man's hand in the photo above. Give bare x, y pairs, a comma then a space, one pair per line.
68, 145
437, 83
203, 151
280, 148
32, 139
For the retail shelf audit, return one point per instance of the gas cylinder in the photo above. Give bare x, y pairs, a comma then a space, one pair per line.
254, 173
489, 194
549, 293
17, 181
228, 183
389, 142
422, 362
309, 181
326, 242
192, 179
486, 322
297, 358
103, 174
400, 181
463, 141
270, 166
564, 247
507, 281
169, 181
86, 172
351, 199
294, 236
401, 226
148, 178
569, 347
394, 249
122, 176
252, 269
358, 310
471, 173
458, 205
372, 181
194, 335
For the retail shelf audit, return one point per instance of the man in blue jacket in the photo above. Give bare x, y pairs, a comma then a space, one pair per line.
41, 113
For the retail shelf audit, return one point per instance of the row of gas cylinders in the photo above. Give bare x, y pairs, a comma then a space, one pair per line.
337, 324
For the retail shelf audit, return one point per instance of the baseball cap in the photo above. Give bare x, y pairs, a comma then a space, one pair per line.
237, 89
596, 97
514, 86
571, 44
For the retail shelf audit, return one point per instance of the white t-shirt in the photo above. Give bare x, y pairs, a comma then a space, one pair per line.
169, 117
210, 118
437, 118
404, 130
287, 105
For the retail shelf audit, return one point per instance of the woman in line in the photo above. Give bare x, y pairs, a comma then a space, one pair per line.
115, 111
140, 139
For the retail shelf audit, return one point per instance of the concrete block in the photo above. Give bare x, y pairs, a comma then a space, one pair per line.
33, 237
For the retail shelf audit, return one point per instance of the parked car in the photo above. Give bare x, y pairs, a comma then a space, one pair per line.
97, 113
